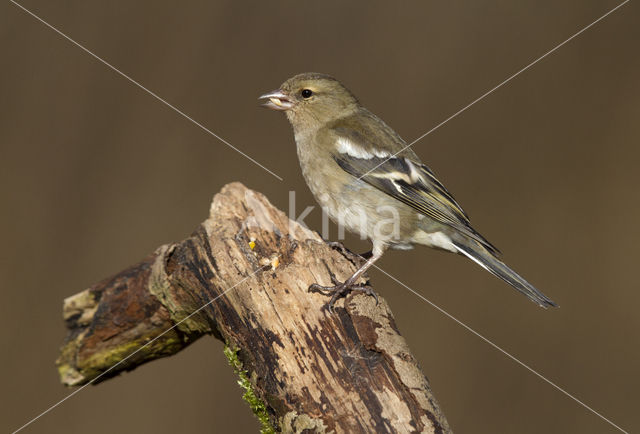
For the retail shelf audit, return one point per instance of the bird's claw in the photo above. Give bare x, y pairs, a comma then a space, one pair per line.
337, 245
341, 289
353, 257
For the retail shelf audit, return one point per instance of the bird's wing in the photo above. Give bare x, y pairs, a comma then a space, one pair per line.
408, 181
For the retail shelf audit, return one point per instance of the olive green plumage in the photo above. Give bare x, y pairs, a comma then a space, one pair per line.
366, 178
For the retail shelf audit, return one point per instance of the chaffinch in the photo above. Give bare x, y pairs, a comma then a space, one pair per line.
366, 178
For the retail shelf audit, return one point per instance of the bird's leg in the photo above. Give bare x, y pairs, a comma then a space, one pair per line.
342, 289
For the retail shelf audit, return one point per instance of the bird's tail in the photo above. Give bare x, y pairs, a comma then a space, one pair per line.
489, 262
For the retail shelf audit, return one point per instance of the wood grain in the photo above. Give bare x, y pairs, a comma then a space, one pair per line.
350, 371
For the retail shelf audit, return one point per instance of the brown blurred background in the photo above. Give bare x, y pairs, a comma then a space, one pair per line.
96, 173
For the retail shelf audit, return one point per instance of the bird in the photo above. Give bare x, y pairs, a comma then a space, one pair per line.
366, 178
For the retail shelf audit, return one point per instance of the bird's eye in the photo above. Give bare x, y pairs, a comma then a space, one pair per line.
306, 93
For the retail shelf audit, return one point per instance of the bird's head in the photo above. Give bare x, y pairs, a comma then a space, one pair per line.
311, 98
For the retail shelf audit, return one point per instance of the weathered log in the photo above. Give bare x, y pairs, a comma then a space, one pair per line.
245, 273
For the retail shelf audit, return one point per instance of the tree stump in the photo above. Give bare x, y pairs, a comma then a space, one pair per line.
243, 277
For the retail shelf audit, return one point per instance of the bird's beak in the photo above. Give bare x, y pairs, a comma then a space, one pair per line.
278, 100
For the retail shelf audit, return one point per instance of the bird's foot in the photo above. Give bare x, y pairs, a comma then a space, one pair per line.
341, 289
337, 245
357, 259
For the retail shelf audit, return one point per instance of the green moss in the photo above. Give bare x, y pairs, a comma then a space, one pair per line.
258, 407
75, 370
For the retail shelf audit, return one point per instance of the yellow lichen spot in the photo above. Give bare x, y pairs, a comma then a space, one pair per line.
272, 261
252, 243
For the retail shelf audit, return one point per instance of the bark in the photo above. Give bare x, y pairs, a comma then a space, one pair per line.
303, 368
